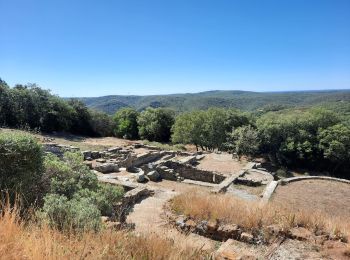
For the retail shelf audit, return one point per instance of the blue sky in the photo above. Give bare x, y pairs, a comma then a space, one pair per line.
95, 48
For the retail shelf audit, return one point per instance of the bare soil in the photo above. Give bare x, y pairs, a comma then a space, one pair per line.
222, 163
149, 217
328, 197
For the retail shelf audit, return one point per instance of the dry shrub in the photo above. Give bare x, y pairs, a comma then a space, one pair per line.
26, 240
250, 215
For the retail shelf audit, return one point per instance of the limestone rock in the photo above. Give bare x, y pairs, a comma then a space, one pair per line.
153, 175
190, 224
114, 149
225, 231
86, 154
101, 160
299, 233
140, 177
95, 154
212, 226
247, 237
180, 221
107, 167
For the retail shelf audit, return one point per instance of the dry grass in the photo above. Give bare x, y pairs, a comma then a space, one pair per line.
251, 216
23, 240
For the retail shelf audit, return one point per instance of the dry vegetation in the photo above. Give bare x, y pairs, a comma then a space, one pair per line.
252, 217
27, 240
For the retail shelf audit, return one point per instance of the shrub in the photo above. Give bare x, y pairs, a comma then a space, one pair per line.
21, 168
104, 197
76, 214
68, 176
76, 200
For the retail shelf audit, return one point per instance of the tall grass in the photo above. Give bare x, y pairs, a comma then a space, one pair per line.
27, 240
252, 216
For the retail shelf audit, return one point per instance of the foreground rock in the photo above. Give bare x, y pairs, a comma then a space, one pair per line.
107, 167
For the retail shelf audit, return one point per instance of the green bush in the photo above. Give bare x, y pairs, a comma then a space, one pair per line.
21, 167
75, 199
104, 197
76, 214
68, 176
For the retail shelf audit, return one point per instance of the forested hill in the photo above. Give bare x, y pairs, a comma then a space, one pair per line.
243, 100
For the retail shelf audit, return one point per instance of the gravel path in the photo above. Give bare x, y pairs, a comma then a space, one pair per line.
148, 217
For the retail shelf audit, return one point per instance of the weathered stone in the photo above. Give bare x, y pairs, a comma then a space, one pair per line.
188, 171
140, 177
274, 230
247, 237
299, 233
86, 154
188, 160
114, 149
225, 231
153, 175
107, 167
190, 224
200, 157
180, 221
230, 251
101, 160
212, 226
137, 145
226, 251
95, 154
201, 227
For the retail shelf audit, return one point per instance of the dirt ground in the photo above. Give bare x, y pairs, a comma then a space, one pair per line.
328, 197
148, 217
222, 163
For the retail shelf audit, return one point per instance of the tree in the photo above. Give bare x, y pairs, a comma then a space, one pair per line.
244, 140
81, 118
291, 137
155, 124
189, 129
126, 125
101, 123
334, 141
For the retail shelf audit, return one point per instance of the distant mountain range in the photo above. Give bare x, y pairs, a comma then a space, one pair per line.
244, 100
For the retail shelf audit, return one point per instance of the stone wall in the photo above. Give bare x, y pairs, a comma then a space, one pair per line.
187, 171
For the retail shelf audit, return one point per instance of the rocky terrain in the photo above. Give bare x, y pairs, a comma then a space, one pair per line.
153, 177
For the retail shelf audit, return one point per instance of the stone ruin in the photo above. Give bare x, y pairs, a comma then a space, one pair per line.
140, 163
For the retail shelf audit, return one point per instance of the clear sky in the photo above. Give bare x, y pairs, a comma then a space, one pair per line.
95, 48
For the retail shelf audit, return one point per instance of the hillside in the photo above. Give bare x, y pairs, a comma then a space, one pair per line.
243, 100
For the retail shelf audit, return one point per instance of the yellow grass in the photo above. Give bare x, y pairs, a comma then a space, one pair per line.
251, 216
20, 240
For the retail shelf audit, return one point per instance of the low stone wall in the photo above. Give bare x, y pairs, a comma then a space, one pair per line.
212, 229
187, 171
302, 178
130, 198
269, 190
59, 149
272, 186
146, 158
222, 187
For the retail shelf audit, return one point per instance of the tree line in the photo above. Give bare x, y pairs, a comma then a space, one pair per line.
314, 138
